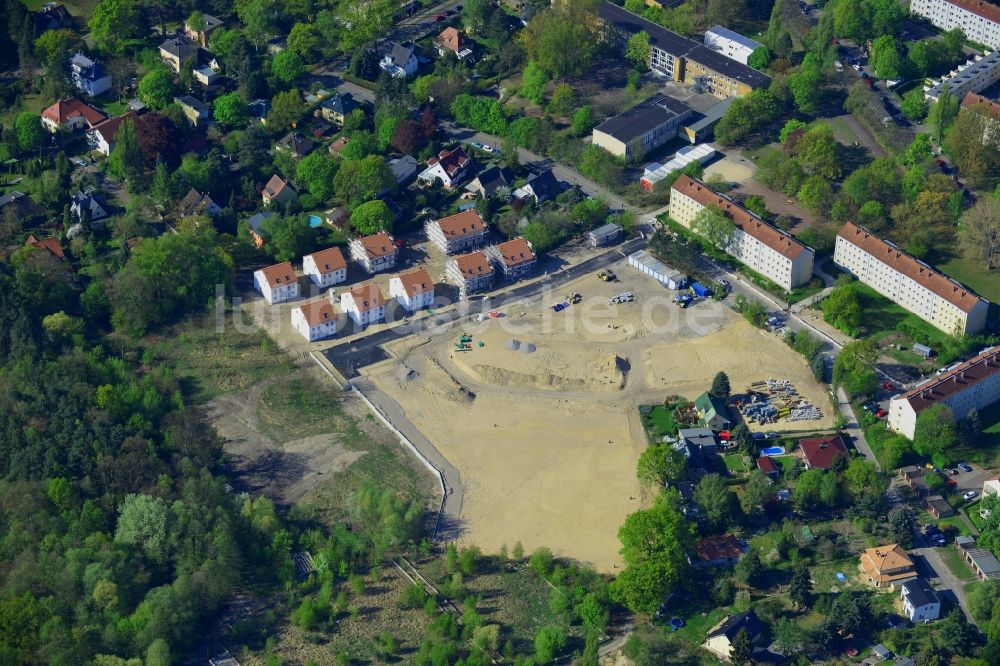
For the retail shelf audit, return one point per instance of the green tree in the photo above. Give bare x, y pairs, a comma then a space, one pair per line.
29, 130
816, 195
854, 368
287, 66
842, 307
115, 21
790, 127
757, 490
289, 236
660, 463
806, 86
157, 88
788, 636
849, 19
637, 48
902, 522
286, 109
533, 82
714, 226
315, 172
563, 38
919, 150
943, 113
583, 120
935, 431
885, 58
126, 159
720, 386
549, 642
713, 496
800, 585
563, 100
142, 522
56, 47
749, 569
979, 232
372, 217
956, 634
760, 58
817, 151
914, 104
655, 543
359, 181
231, 110
742, 648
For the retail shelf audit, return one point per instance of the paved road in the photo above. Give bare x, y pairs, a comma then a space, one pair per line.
935, 568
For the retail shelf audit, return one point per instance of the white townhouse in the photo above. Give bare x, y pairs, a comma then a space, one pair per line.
935, 298
315, 320
457, 233
470, 272
400, 62
326, 267
760, 246
731, 44
514, 258
374, 253
102, 135
364, 305
974, 384
979, 20
413, 290
277, 283
920, 601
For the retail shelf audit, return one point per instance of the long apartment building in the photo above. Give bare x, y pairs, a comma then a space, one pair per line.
912, 284
683, 59
973, 77
762, 247
974, 384
978, 19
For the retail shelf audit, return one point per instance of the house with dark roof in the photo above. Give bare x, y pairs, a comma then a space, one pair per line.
178, 52
196, 203
541, 187
712, 412
337, 108
491, 181
643, 128
767, 465
400, 62
22, 205
255, 225
194, 109
277, 192
90, 206
938, 507
720, 637
920, 601
200, 34
295, 144
88, 76
822, 452
102, 136
51, 16
404, 168
983, 563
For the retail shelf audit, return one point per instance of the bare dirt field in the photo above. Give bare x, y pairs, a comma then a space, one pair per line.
547, 441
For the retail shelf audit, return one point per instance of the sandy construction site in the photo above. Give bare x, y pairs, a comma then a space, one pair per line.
539, 413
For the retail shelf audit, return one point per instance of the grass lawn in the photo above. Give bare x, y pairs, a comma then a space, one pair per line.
83, 8
971, 273
114, 108
784, 462
697, 625
956, 564
883, 317
659, 421
824, 575
990, 418
734, 463
976, 519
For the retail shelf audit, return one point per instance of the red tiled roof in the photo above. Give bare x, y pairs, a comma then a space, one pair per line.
978, 368
987, 10
451, 39
820, 452
109, 128
279, 275
50, 245
744, 220
378, 245
451, 161
721, 547
515, 252
957, 294
466, 223
367, 297
766, 465
318, 312
416, 282
71, 107
329, 260
473, 265
972, 99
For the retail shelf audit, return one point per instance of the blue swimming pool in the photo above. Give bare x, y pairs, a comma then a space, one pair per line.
315, 221
772, 451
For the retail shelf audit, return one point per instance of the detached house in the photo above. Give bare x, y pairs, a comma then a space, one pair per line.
470, 272
374, 253
887, 566
315, 320
451, 167
413, 290
722, 550
399, 62
295, 144
200, 34
277, 283
177, 52
364, 305
493, 181
88, 76
540, 187
102, 136
21, 204
50, 245
823, 452
920, 601
457, 233
720, 637
194, 109
514, 258
71, 114
278, 192
712, 411
196, 203
337, 108
326, 267
454, 41
89, 206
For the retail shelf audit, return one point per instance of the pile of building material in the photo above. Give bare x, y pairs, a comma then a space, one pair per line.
775, 400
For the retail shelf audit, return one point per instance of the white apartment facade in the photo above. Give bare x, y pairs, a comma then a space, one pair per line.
315, 320
457, 233
972, 77
326, 267
731, 44
935, 298
413, 290
277, 283
760, 246
979, 20
364, 305
920, 601
374, 253
974, 384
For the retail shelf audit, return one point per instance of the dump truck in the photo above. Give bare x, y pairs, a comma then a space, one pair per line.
574, 298
607, 276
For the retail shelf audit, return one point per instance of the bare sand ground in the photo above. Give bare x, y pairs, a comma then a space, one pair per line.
731, 169
547, 442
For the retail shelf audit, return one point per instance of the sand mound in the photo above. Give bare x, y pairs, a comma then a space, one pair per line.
606, 374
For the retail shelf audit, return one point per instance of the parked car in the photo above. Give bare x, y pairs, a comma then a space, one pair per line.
950, 484
888, 386
969, 495
757, 435
965, 467
880, 413
938, 539
870, 406
438, 18
725, 436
